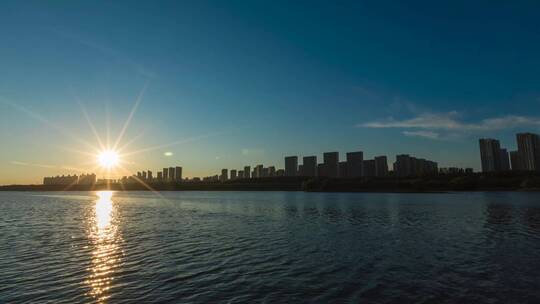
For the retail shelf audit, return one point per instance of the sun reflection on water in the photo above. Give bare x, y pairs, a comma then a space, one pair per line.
106, 253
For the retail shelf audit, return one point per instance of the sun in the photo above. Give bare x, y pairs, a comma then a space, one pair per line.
108, 159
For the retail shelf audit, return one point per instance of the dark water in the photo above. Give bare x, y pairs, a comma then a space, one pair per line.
274, 247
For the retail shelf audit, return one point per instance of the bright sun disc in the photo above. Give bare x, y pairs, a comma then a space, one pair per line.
108, 159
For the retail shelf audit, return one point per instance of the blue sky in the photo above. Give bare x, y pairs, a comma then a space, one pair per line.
238, 83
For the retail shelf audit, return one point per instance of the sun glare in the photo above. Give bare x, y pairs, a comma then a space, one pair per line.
108, 159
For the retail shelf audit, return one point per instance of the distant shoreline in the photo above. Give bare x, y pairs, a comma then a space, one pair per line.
505, 181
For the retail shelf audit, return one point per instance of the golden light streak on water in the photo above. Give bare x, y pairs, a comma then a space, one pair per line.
106, 253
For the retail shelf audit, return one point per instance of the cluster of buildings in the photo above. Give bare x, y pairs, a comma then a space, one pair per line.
494, 158
66, 180
167, 175
258, 171
497, 159
353, 166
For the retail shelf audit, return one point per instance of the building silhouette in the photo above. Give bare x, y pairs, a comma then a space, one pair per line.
233, 174
529, 151
331, 164
309, 166
247, 171
165, 174
291, 165
354, 164
64, 180
87, 179
407, 166
505, 160
271, 171
178, 174
490, 155
258, 171
381, 166
171, 174
515, 161
321, 171
368, 168
224, 175
342, 169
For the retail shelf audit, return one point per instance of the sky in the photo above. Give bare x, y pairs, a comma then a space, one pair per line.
223, 84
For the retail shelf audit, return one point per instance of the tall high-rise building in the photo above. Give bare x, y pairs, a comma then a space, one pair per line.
240, 174
321, 170
406, 165
247, 172
505, 160
331, 164
368, 168
354, 163
144, 175
490, 154
515, 162
342, 172
224, 175
258, 171
233, 174
291, 165
149, 175
165, 174
160, 176
171, 174
271, 171
529, 151
309, 166
178, 174
381, 166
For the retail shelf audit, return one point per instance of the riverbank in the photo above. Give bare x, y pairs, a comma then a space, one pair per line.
506, 181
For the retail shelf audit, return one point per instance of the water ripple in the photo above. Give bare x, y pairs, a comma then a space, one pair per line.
269, 247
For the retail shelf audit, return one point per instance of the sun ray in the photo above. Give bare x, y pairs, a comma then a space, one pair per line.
131, 141
75, 182
108, 124
178, 142
146, 185
46, 122
90, 124
95, 151
130, 116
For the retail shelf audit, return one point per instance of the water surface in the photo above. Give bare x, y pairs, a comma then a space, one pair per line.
244, 247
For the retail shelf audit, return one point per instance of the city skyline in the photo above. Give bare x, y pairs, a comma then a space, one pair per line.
493, 157
345, 79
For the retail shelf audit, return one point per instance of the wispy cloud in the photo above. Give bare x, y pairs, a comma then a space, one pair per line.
426, 134
19, 163
46, 166
450, 125
450, 121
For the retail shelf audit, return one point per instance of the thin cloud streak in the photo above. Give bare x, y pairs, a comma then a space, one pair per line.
46, 166
426, 134
450, 122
